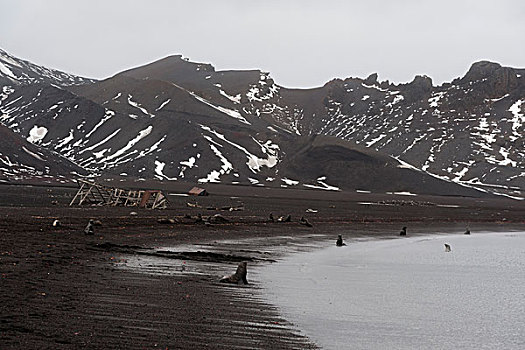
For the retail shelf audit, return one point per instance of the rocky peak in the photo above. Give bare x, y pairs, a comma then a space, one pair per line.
371, 79
481, 70
418, 88
493, 79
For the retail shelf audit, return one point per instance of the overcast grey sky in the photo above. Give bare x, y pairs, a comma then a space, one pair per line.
301, 43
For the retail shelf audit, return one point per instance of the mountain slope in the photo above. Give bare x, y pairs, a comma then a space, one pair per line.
21, 160
179, 120
471, 130
14, 71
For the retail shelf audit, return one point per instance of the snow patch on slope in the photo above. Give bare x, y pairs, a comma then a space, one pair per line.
518, 116
7, 71
142, 134
139, 106
254, 163
232, 113
37, 134
322, 185
235, 99
163, 104
159, 171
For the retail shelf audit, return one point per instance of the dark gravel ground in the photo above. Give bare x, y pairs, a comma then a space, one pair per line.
62, 289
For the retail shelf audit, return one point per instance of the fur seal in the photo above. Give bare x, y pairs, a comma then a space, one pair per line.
218, 218
403, 231
447, 248
199, 219
339, 242
467, 232
285, 219
305, 222
239, 277
89, 228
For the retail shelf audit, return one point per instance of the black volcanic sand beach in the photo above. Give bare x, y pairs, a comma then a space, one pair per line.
140, 284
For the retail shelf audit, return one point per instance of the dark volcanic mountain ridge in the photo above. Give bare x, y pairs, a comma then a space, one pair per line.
178, 120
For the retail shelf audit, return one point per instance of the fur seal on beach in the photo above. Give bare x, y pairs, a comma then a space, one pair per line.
199, 219
89, 228
218, 218
447, 248
403, 231
467, 232
56, 223
339, 242
305, 222
285, 219
239, 277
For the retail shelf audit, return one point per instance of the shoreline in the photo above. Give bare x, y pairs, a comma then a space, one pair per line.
66, 290
314, 283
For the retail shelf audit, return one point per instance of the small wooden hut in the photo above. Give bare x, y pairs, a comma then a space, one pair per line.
197, 191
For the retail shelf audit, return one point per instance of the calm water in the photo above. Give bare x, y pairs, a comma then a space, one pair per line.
407, 293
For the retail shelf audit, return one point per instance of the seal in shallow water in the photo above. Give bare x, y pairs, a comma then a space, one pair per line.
339, 241
239, 276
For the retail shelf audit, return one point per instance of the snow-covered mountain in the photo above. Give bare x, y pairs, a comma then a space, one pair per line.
469, 131
20, 158
179, 120
14, 71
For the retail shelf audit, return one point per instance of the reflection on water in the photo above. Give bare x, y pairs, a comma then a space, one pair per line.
407, 293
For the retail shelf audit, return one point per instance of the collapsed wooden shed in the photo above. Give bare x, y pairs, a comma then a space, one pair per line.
93, 193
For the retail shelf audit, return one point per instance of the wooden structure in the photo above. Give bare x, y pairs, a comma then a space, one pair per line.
197, 191
90, 192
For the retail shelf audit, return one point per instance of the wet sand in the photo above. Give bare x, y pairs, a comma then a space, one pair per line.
62, 289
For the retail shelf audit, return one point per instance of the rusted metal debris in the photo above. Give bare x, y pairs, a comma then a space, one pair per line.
93, 193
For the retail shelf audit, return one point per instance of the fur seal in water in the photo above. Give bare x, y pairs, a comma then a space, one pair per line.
447, 248
403, 231
339, 242
239, 277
